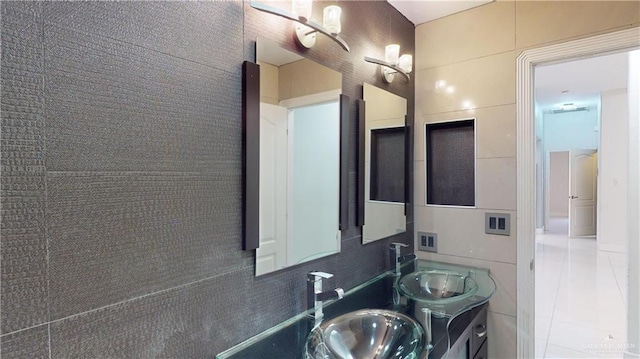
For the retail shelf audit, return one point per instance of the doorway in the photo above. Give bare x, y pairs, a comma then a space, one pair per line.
580, 297
526, 174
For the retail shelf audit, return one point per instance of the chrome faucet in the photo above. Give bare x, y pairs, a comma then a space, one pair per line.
315, 295
396, 259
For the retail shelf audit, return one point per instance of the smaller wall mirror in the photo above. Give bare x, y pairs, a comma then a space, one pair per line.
300, 159
384, 164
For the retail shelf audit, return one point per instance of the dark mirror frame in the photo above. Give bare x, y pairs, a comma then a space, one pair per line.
251, 157
360, 195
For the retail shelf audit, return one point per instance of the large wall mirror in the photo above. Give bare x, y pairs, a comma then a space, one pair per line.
300, 161
384, 163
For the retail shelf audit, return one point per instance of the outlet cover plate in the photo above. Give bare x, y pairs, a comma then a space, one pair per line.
428, 241
497, 223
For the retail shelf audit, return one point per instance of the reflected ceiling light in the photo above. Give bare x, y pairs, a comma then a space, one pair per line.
440, 84
450, 89
568, 106
306, 29
393, 63
467, 105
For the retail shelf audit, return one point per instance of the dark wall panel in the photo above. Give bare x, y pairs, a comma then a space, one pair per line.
111, 105
22, 175
194, 321
32, 343
203, 32
116, 236
121, 175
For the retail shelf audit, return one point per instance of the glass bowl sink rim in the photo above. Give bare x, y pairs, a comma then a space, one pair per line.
322, 333
403, 288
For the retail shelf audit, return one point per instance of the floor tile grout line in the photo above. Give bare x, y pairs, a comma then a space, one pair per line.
555, 301
615, 277
564, 255
607, 265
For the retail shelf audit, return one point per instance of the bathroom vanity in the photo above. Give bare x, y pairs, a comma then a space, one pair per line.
456, 331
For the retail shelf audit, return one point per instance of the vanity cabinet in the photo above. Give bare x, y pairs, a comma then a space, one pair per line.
469, 338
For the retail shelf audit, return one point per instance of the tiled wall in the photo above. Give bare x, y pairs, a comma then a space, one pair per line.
122, 176
475, 51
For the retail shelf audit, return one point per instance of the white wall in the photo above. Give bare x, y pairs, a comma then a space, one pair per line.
559, 184
475, 51
612, 172
571, 130
633, 206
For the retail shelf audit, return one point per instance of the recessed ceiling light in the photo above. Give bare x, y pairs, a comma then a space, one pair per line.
564, 92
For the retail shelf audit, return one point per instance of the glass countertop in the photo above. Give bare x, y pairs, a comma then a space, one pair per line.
287, 339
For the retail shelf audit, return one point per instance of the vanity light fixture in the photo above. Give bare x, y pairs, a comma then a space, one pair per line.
306, 29
393, 63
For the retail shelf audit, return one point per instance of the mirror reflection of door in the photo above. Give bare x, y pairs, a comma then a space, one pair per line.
314, 181
384, 164
273, 188
299, 159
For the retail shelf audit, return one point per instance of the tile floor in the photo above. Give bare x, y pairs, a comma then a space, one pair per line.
580, 297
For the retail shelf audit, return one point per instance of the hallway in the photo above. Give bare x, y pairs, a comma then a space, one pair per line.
580, 297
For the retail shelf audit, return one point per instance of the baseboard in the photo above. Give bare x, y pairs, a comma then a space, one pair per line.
612, 247
559, 214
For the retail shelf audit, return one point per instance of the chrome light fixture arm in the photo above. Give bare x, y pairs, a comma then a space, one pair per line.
394, 67
287, 15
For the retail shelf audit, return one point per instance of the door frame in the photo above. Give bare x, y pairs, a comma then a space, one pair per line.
619, 41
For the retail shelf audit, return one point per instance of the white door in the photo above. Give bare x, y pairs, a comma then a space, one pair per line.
271, 255
582, 193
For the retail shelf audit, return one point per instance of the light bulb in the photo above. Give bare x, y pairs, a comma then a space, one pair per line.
331, 19
391, 53
302, 9
406, 62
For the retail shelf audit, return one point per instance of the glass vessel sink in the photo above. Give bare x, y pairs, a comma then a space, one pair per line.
437, 285
366, 333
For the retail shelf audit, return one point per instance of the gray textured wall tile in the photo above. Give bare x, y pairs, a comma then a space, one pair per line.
22, 232
112, 106
208, 32
147, 88
115, 236
196, 321
32, 343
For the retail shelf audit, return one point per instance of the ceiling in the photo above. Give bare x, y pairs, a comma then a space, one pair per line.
421, 11
584, 79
